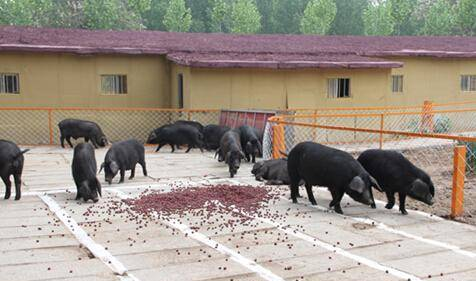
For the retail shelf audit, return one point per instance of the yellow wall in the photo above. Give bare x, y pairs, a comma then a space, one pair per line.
60, 80
187, 84
432, 79
71, 80
276, 89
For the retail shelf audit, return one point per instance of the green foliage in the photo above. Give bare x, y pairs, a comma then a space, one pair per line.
351, 17
245, 17
25, 12
348, 20
440, 19
218, 17
466, 17
178, 18
442, 124
378, 19
154, 16
403, 14
318, 16
113, 14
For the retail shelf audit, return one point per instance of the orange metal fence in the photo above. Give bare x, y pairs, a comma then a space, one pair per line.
442, 142
38, 125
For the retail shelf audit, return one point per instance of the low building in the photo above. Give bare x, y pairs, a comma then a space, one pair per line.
44, 67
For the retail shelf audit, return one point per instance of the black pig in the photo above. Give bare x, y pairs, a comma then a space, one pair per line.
395, 173
175, 135
11, 163
275, 171
250, 142
337, 170
191, 123
121, 157
230, 151
212, 135
84, 170
73, 128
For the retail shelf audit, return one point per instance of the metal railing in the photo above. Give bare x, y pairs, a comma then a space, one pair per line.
441, 142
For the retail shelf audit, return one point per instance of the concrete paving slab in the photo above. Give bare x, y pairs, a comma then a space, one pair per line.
158, 252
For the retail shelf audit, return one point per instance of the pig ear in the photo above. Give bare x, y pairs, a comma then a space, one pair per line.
114, 167
102, 167
419, 188
357, 184
375, 184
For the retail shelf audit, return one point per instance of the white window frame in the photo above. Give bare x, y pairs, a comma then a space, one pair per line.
397, 84
114, 84
13, 89
468, 83
334, 88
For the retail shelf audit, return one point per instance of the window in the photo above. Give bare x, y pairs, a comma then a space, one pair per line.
397, 83
338, 88
114, 84
468, 83
180, 90
9, 83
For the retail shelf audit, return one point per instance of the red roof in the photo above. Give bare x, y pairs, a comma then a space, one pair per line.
226, 50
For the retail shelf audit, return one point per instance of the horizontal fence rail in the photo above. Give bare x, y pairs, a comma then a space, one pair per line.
36, 126
442, 142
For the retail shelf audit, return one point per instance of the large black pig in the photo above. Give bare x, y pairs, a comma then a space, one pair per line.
74, 128
396, 174
123, 156
230, 151
212, 135
84, 169
11, 163
250, 142
176, 135
191, 123
337, 170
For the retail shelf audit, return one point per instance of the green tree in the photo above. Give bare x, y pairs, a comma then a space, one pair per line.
404, 16
378, 19
25, 12
318, 16
281, 16
439, 19
113, 14
178, 18
219, 13
154, 16
348, 19
245, 17
466, 17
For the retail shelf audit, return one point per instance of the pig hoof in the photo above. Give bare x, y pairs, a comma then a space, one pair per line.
339, 211
373, 206
389, 206
314, 203
131, 178
404, 212
17, 198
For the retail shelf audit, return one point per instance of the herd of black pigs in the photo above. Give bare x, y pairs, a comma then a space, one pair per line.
307, 164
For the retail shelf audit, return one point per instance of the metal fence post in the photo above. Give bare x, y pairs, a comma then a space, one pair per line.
381, 129
50, 125
427, 117
278, 140
459, 172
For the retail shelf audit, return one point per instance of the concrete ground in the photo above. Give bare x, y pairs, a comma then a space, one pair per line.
49, 236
